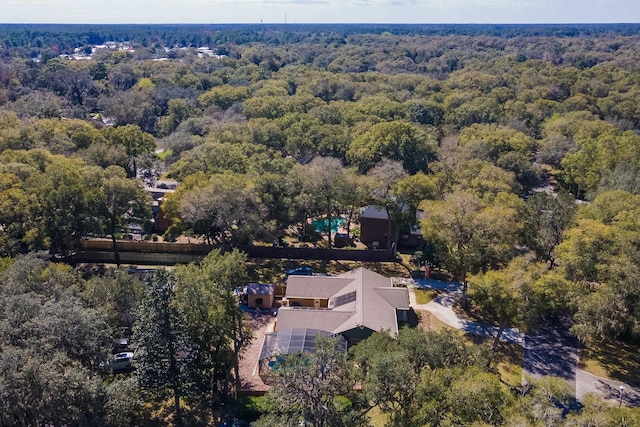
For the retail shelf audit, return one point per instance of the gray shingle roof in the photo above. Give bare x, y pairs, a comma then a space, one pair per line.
374, 212
374, 306
314, 286
296, 317
259, 289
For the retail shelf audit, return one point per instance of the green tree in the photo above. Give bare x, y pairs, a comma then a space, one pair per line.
474, 396
415, 147
18, 208
118, 202
178, 110
542, 402
213, 318
136, 107
490, 142
52, 344
124, 404
406, 195
481, 177
325, 181
597, 411
314, 388
545, 220
224, 96
498, 295
428, 113
384, 176
135, 142
278, 194
527, 175
224, 208
65, 201
117, 293
519, 295
164, 348
393, 372
357, 194
600, 256
470, 234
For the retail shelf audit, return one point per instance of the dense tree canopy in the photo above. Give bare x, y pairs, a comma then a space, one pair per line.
55, 336
517, 148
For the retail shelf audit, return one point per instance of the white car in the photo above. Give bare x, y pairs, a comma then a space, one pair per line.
122, 361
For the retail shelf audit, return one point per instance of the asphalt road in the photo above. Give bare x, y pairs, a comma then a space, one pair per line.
552, 351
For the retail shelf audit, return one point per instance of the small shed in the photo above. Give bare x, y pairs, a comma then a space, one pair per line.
260, 295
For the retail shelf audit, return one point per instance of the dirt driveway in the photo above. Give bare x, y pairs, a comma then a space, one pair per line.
251, 382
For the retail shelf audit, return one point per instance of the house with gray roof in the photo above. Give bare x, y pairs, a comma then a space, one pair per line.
354, 304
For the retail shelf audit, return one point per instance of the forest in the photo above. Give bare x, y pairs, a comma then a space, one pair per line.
517, 146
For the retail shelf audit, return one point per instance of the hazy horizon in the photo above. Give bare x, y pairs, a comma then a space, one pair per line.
320, 12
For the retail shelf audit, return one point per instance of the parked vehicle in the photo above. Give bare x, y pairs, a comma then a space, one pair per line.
300, 271
122, 362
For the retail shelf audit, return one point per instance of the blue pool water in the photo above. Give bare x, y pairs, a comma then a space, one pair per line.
320, 224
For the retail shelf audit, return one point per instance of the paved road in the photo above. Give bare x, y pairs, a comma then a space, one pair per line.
552, 351
608, 389
441, 308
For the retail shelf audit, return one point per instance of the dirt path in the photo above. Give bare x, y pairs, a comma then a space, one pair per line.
249, 362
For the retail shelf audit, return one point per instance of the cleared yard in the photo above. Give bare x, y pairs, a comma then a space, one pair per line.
429, 322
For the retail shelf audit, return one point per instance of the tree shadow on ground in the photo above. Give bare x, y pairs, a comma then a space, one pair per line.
620, 360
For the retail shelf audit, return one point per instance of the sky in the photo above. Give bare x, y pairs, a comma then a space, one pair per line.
318, 11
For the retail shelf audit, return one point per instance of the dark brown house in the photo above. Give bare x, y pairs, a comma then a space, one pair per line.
375, 230
374, 227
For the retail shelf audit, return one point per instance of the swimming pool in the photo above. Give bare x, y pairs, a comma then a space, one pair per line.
320, 224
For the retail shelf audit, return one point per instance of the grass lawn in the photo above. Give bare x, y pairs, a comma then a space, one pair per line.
616, 360
424, 296
509, 360
377, 418
273, 270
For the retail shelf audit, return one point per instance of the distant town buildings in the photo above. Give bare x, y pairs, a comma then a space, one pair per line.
86, 53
